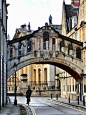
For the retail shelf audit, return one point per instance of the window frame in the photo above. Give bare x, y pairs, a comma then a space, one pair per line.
29, 42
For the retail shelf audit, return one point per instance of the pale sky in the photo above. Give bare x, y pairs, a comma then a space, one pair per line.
36, 12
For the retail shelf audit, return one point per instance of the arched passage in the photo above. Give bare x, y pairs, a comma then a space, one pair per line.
73, 70
67, 69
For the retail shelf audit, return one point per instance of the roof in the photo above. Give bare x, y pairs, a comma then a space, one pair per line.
57, 27
24, 32
32, 35
70, 11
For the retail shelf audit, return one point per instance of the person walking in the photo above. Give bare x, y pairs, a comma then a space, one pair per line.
28, 94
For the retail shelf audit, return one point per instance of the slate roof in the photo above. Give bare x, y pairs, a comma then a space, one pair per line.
23, 31
57, 27
70, 11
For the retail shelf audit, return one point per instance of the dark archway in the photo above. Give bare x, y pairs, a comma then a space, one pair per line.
66, 68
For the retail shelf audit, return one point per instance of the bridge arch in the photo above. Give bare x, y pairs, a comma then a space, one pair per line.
64, 64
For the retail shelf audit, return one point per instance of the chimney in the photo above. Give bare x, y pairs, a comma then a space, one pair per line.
75, 3
23, 26
46, 24
38, 28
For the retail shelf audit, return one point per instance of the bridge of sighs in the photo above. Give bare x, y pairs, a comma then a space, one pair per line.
46, 46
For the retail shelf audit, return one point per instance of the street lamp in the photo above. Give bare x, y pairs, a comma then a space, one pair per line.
15, 67
39, 81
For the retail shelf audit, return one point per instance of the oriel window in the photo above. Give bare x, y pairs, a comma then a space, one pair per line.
53, 43
46, 40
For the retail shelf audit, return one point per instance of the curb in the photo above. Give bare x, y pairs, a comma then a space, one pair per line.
33, 111
29, 109
83, 107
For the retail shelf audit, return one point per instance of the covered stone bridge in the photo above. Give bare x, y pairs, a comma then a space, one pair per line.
46, 46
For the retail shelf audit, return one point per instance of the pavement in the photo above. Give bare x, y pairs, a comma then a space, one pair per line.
73, 103
11, 109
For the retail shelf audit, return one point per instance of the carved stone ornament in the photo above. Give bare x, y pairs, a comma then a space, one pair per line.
57, 54
46, 55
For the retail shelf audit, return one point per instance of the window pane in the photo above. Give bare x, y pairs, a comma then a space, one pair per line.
85, 88
29, 46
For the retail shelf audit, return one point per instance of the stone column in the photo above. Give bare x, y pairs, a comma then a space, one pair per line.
33, 46
66, 83
35, 43
71, 84
56, 44
50, 44
30, 74
25, 48
62, 88
85, 31
41, 44
74, 86
16, 50
75, 52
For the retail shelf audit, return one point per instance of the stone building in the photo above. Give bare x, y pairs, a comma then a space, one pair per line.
3, 53
74, 26
38, 76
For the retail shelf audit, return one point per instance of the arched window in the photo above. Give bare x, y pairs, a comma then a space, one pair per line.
34, 79
53, 43
29, 46
39, 75
46, 40
78, 53
20, 49
62, 46
12, 51
70, 49
45, 75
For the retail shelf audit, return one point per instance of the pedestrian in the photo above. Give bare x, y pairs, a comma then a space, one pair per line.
9, 100
28, 94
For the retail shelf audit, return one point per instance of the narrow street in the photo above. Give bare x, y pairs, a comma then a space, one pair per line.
43, 107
